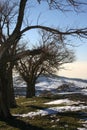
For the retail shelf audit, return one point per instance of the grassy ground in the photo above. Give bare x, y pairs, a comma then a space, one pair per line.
60, 121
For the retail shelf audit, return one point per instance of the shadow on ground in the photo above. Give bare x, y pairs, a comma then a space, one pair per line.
21, 125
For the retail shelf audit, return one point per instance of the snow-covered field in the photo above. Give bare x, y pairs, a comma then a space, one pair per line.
56, 85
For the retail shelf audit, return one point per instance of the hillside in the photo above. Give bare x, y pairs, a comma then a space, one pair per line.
53, 85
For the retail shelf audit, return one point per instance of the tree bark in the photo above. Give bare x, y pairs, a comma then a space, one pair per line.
4, 99
7, 98
30, 92
12, 101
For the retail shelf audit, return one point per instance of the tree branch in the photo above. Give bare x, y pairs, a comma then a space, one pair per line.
23, 54
20, 16
78, 32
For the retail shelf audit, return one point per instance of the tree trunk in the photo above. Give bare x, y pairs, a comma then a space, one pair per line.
12, 97
12, 100
4, 100
7, 98
30, 92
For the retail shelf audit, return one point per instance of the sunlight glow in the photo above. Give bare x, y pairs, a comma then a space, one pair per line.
74, 70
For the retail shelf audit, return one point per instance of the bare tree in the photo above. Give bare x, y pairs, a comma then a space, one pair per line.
7, 18
55, 54
10, 39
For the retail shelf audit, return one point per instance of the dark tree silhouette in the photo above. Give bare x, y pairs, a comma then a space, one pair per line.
53, 56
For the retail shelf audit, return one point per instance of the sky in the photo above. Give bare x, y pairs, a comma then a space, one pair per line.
42, 15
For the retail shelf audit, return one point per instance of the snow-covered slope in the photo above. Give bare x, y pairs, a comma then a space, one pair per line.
61, 85
53, 84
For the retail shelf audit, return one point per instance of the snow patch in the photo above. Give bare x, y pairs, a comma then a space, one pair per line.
53, 110
81, 128
62, 101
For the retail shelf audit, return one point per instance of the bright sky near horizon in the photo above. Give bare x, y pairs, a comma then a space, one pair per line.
44, 16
